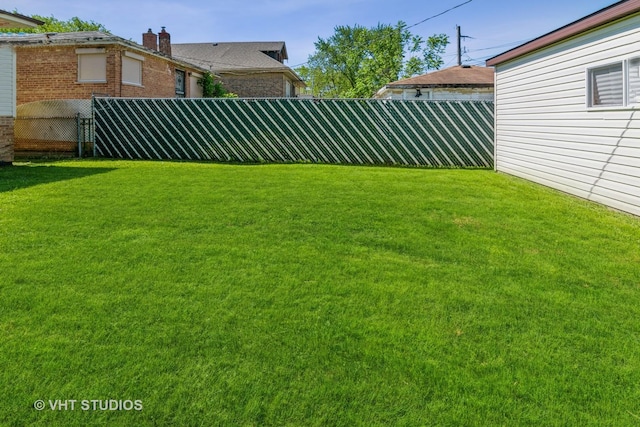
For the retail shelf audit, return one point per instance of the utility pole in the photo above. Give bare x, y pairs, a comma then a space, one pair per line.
460, 37
459, 46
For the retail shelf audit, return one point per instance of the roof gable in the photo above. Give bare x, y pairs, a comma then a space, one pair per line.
602, 17
15, 20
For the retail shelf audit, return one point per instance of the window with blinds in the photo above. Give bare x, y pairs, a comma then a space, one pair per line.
614, 85
606, 86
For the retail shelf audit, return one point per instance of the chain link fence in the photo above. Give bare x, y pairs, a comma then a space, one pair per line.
58, 128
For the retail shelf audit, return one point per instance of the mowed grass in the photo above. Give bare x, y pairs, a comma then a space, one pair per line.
312, 295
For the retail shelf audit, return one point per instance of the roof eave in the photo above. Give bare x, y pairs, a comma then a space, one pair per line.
444, 86
105, 42
20, 19
602, 17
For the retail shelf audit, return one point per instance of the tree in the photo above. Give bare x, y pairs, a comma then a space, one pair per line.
53, 25
356, 61
212, 88
75, 24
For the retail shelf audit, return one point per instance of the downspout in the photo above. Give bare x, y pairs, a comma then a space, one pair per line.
119, 80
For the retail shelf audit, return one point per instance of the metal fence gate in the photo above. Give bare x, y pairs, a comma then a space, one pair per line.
422, 133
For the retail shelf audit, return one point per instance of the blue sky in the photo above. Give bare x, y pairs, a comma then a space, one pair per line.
494, 25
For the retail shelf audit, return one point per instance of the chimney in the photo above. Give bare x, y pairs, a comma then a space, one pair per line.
150, 40
165, 42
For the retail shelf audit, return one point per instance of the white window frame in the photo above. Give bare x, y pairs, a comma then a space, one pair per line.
629, 88
627, 103
132, 64
92, 56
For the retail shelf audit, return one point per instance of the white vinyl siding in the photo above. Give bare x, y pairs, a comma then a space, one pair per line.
92, 65
439, 94
7, 82
550, 132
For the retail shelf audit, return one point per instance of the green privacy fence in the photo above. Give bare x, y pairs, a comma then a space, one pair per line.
421, 133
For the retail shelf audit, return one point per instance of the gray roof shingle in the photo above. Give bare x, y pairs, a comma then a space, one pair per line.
231, 56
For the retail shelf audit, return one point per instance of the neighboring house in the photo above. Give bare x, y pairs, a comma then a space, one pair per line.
78, 65
17, 21
568, 108
459, 83
248, 69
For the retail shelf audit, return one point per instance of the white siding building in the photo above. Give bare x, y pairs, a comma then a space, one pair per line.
7, 103
459, 83
8, 83
568, 108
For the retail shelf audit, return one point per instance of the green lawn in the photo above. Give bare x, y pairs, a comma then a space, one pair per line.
312, 295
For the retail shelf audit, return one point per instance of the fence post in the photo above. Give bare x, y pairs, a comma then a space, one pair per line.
93, 123
79, 135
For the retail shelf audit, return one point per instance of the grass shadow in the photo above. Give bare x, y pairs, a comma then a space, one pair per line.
22, 176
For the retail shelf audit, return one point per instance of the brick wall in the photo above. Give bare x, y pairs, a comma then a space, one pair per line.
51, 72
6, 140
256, 85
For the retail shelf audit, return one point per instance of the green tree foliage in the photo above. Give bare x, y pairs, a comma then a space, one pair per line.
75, 24
212, 88
356, 61
53, 25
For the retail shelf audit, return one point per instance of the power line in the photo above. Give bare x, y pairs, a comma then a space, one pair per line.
439, 14
499, 46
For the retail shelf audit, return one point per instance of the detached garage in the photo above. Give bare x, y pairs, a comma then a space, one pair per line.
568, 108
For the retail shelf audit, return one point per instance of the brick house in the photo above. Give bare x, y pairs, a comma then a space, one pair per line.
248, 69
78, 65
